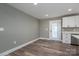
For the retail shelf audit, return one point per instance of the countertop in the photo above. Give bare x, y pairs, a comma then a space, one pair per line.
74, 32
76, 36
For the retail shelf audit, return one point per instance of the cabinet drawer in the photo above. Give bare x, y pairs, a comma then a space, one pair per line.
67, 38
67, 41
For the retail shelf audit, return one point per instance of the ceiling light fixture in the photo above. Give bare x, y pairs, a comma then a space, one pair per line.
69, 9
46, 15
35, 3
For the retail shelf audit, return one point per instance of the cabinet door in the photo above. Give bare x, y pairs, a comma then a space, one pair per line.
66, 38
65, 22
71, 21
68, 22
76, 21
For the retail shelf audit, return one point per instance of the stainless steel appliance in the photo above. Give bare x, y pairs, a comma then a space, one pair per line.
75, 39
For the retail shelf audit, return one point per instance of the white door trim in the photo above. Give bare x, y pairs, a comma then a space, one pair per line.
50, 29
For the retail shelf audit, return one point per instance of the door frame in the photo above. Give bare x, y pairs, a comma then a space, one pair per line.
50, 29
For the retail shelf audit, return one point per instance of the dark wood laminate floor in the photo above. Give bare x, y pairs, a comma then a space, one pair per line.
47, 48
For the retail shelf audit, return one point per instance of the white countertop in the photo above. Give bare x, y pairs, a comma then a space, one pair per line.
76, 36
70, 32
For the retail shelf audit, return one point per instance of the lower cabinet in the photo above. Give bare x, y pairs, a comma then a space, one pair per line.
66, 38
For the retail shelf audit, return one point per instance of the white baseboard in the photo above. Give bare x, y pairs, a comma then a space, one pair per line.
19, 47
16, 48
43, 38
48, 39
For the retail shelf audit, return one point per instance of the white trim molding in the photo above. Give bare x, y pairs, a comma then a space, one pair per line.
43, 38
16, 48
50, 29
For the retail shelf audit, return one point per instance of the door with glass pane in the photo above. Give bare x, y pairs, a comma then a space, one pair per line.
55, 30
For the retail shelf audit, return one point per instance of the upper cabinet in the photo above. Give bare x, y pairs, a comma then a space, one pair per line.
72, 21
76, 21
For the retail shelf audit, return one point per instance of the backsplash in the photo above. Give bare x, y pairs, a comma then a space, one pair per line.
70, 29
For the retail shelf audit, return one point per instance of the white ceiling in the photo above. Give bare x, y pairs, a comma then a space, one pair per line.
52, 9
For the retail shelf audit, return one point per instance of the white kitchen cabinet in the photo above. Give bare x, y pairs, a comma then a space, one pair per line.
76, 21
68, 22
65, 22
66, 38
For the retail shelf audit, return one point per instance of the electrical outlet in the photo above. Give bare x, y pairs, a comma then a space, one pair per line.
14, 42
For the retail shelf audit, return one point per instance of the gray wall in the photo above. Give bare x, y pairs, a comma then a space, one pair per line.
44, 28
18, 26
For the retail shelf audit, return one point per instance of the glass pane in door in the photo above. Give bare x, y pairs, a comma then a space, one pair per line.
54, 30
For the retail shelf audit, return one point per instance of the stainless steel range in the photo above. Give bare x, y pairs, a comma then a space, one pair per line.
75, 39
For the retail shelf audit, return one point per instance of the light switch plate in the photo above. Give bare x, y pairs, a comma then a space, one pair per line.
14, 42
1, 29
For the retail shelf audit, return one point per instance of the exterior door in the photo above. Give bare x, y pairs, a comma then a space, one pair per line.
55, 30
